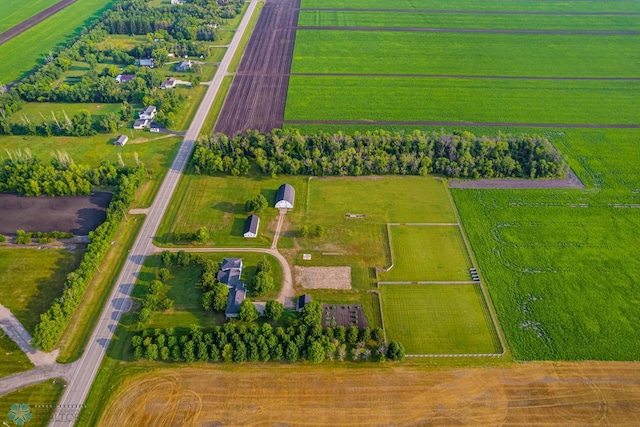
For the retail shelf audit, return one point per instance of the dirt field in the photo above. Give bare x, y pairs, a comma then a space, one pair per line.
526, 394
258, 94
74, 214
34, 20
323, 277
570, 181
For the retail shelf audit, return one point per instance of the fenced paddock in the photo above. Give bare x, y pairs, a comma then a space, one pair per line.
439, 319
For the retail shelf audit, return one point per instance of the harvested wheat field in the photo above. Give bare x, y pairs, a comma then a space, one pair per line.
521, 394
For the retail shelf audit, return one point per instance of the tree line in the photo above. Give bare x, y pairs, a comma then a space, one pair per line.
26, 174
303, 339
459, 154
55, 320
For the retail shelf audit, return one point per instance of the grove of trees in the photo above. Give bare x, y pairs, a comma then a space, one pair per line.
460, 154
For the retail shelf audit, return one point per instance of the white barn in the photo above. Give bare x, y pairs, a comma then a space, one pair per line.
285, 197
251, 226
121, 140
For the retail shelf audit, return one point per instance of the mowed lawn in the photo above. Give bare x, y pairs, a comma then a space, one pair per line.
12, 359
32, 279
35, 111
218, 203
491, 5
478, 54
428, 253
438, 319
462, 100
385, 19
13, 12
41, 398
21, 54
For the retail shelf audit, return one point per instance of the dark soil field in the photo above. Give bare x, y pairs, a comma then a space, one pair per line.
258, 94
343, 315
34, 20
73, 214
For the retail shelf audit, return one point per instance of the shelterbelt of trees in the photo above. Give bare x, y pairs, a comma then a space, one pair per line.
25, 174
460, 154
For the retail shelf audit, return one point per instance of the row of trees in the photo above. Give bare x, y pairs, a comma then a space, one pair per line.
55, 320
25, 174
460, 154
233, 342
24, 238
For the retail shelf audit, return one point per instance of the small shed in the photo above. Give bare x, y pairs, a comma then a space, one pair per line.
303, 300
121, 140
285, 197
169, 83
251, 226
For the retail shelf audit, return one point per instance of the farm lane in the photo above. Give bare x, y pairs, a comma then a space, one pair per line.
33, 21
14, 330
81, 377
34, 376
468, 12
468, 76
258, 93
491, 124
473, 30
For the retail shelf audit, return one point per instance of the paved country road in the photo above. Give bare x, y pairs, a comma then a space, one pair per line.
85, 370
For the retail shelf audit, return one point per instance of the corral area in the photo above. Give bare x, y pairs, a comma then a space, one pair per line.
323, 277
438, 319
533, 393
72, 214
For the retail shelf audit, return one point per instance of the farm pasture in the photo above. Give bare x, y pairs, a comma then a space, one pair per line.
16, 11
382, 19
388, 99
438, 319
32, 279
34, 111
427, 253
456, 53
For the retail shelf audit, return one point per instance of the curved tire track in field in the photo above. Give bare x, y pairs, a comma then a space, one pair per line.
469, 12
473, 30
34, 20
488, 124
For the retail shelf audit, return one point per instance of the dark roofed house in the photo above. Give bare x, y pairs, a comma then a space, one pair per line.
148, 113
251, 226
302, 301
285, 197
184, 65
169, 83
231, 263
124, 78
229, 274
236, 297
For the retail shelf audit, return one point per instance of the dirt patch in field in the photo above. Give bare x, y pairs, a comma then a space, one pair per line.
323, 277
258, 93
547, 393
73, 214
343, 315
33, 21
570, 181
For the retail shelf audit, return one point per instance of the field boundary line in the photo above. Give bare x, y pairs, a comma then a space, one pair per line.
384, 330
472, 30
429, 282
487, 300
457, 355
466, 76
464, 12
443, 123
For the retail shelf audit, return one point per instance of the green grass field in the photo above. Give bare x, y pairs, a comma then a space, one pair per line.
218, 203
461, 100
382, 19
13, 360
182, 288
508, 5
428, 253
41, 398
32, 279
392, 52
560, 264
16, 11
34, 111
21, 54
438, 319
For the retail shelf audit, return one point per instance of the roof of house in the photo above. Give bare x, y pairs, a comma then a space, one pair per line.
170, 80
236, 296
149, 110
231, 263
286, 192
252, 224
303, 300
122, 139
141, 122
123, 78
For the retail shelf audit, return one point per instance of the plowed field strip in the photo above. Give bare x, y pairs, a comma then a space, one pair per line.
473, 30
472, 12
493, 124
259, 92
34, 20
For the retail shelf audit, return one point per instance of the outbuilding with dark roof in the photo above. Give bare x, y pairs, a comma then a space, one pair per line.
251, 226
285, 197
